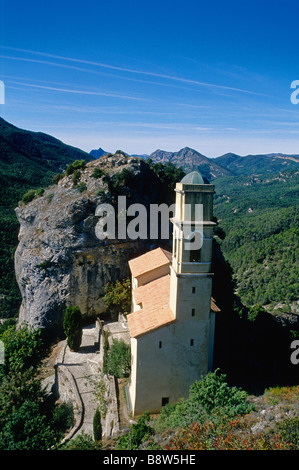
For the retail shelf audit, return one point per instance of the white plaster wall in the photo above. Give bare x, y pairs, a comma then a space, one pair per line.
169, 370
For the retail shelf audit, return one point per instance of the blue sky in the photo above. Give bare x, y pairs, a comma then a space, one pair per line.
141, 75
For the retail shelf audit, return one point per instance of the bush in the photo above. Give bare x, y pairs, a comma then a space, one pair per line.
76, 165
83, 441
97, 173
26, 428
119, 359
72, 327
32, 194
63, 417
76, 176
29, 196
289, 431
118, 295
39, 192
228, 435
80, 187
24, 348
97, 426
138, 434
57, 178
209, 399
213, 392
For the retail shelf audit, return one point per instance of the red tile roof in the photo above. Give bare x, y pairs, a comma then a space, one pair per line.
149, 261
155, 311
154, 296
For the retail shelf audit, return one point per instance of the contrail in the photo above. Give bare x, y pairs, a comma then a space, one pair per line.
83, 92
134, 71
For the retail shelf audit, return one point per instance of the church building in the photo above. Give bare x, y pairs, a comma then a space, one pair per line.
173, 314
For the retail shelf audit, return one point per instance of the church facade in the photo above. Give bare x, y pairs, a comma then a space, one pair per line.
173, 314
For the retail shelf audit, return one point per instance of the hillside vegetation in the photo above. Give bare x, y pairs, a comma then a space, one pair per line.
259, 216
27, 160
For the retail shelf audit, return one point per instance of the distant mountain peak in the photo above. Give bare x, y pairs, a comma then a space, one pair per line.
191, 160
98, 153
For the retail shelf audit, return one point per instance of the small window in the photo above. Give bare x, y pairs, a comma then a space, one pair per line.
160, 344
175, 248
193, 290
191, 342
193, 312
165, 401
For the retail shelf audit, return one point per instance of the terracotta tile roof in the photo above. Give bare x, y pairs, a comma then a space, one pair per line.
214, 306
154, 293
155, 311
149, 261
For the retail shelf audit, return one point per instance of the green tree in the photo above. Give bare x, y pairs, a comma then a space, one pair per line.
29, 196
76, 165
72, 326
97, 426
118, 295
26, 428
214, 393
118, 359
24, 348
138, 434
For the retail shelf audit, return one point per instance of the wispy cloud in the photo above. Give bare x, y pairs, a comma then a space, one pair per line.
127, 70
82, 92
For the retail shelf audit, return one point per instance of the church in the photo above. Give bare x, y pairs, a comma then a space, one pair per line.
173, 314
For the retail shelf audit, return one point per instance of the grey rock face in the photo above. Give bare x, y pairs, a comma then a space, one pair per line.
59, 260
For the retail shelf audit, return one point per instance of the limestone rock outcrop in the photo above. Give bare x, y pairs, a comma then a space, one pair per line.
59, 260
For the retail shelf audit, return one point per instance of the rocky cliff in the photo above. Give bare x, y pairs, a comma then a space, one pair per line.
59, 260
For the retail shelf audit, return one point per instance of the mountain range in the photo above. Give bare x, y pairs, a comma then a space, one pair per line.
229, 164
32, 157
253, 184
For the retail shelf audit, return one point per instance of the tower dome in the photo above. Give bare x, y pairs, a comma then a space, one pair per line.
193, 178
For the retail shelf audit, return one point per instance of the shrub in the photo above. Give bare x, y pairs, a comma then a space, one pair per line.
119, 359
213, 392
76, 176
105, 349
57, 178
80, 187
39, 192
229, 435
76, 165
118, 295
209, 399
82, 441
26, 428
32, 194
29, 196
63, 417
97, 426
23, 348
289, 431
138, 434
72, 326
97, 173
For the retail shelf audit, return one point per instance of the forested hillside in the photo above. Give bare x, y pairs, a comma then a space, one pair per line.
259, 216
27, 160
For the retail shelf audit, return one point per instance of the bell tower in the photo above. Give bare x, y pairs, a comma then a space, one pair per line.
190, 273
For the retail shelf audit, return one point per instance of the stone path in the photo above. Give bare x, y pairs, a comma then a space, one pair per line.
83, 372
84, 366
